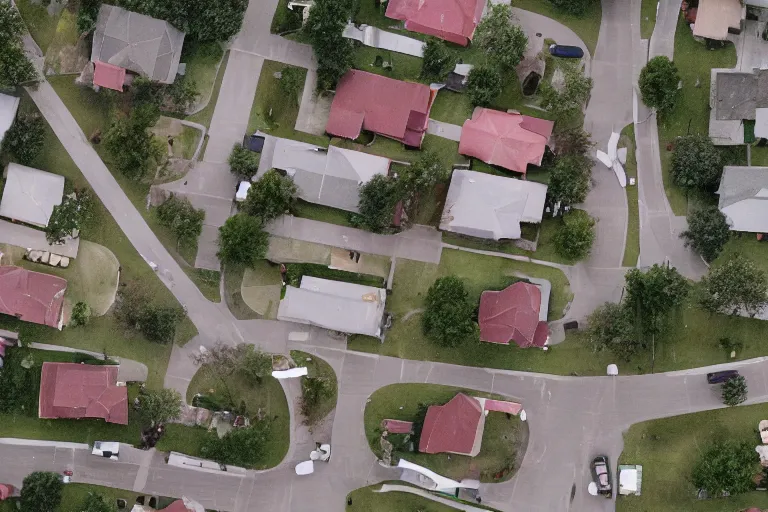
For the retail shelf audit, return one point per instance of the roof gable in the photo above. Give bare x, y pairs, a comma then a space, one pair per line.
451, 427
453, 20
69, 390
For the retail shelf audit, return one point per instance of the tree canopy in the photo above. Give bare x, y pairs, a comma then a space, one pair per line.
571, 99
504, 42
325, 28
484, 85
69, 216
15, 68
707, 232
610, 327
726, 466
438, 60
243, 162
270, 197
572, 142
735, 286
570, 179
423, 174
41, 492
574, 239
448, 313
378, 198
696, 163
25, 138
658, 84
94, 502
243, 447
242, 240
160, 406
130, 144
652, 295
735, 391
184, 220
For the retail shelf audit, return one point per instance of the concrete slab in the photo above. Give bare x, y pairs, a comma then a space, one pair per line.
29, 238
444, 130
314, 109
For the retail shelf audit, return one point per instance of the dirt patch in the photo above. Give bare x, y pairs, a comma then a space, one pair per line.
68, 52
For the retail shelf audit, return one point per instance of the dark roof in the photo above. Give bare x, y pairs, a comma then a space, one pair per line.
451, 427
75, 391
254, 142
513, 314
740, 94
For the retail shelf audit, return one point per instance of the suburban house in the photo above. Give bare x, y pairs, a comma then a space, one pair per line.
334, 305
744, 198
32, 296
715, 19
487, 206
30, 194
126, 41
452, 20
9, 105
332, 176
76, 391
456, 427
507, 139
739, 106
514, 314
391, 108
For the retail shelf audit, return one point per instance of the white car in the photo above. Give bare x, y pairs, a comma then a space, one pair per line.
107, 449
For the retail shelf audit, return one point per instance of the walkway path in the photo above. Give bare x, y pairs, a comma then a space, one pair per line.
445, 130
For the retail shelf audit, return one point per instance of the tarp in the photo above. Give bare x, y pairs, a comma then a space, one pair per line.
290, 374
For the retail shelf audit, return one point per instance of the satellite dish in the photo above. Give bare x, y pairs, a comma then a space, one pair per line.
592, 488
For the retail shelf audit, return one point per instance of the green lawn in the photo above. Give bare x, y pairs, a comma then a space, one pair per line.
504, 439
285, 19
66, 36
318, 368
321, 213
691, 115
41, 25
202, 61
366, 499
745, 244
448, 150
647, 18
632, 242
267, 398
182, 439
204, 116
233, 296
74, 495
587, 27
668, 448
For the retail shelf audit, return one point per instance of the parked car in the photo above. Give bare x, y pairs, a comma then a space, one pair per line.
720, 377
601, 475
106, 449
567, 52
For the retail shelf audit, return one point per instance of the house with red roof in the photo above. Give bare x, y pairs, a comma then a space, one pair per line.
507, 139
32, 296
7, 491
456, 427
451, 20
76, 391
391, 108
513, 314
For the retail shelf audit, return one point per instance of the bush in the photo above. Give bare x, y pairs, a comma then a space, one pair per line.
378, 198
726, 467
25, 139
570, 180
313, 392
243, 162
183, 219
658, 84
291, 83
240, 446
438, 59
130, 144
735, 391
707, 232
448, 313
41, 492
696, 163
570, 101
242, 240
484, 85
20, 385
575, 237
738, 285
81, 314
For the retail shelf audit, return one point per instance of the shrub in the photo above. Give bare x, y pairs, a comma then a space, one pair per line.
25, 139
658, 84
243, 162
483, 85
448, 313
81, 314
575, 237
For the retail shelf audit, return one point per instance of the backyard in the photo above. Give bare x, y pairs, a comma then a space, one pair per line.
504, 439
667, 449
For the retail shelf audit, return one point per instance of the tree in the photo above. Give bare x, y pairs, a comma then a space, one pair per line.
270, 197
25, 139
11, 25
68, 217
571, 99
574, 238
483, 85
242, 241
570, 180
707, 232
575, 7
255, 364
244, 361
696, 163
438, 59
504, 42
448, 313
159, 324
96, 503
726, 467
735, 286
81, 314
735, 391
160, 406
240, 446
658, 84
291, 82
87, 14
610, 327
181, 94
15, 68
378, 198
313, 391
243, 162
652, 295
129, 142
423, 174
41, 492
572, 142
324, 29
184, 220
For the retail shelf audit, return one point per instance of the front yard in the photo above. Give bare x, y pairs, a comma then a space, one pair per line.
504, 439
667, 449
367, 499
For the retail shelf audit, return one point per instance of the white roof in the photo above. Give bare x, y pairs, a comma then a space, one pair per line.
628, 479
744, 198
9, 105
334, 305
332, 176
30, 195
488, 206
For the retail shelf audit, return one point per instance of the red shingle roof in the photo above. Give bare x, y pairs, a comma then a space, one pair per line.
108, 75
31, 296
506, 139
395, 109
451, 427
452, 20
69, 390
513, 314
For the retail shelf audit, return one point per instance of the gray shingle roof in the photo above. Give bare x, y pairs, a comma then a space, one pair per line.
739, 94
139, 43
744, 198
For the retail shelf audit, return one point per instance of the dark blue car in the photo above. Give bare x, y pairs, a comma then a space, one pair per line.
567, 52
